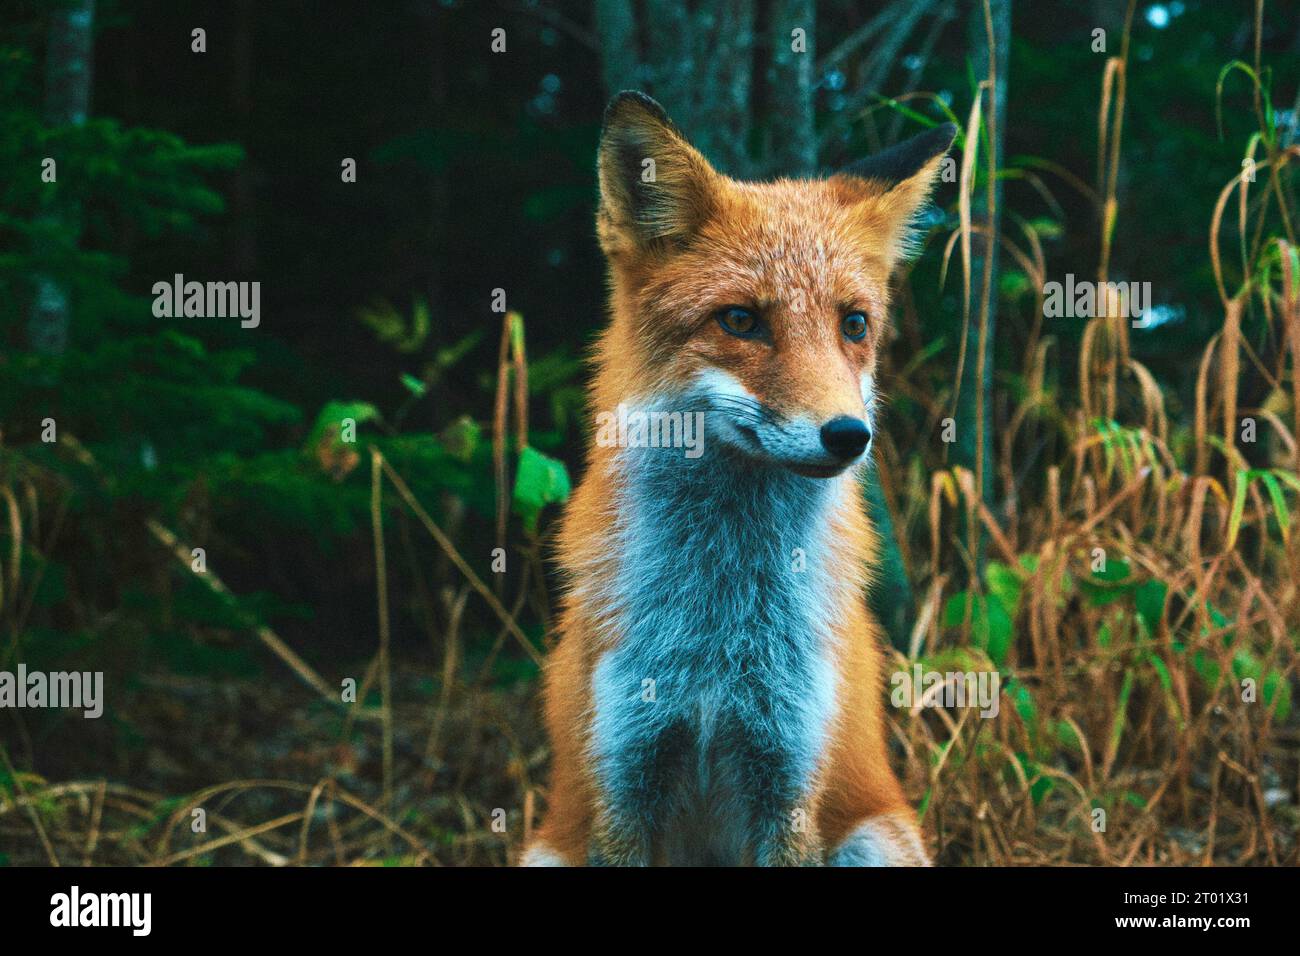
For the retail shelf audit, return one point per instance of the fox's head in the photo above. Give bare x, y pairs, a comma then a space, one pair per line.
763, 304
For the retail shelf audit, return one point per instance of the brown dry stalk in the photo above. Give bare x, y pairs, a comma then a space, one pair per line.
446, 544
237, 837
381, 586
277, 646
499, 407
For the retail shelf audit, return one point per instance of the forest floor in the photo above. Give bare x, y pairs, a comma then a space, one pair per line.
284, 778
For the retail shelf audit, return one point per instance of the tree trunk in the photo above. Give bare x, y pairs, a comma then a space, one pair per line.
697, 62
68, 63
791, 138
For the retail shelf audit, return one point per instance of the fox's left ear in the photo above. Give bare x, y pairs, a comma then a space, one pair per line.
895, 183
655, 188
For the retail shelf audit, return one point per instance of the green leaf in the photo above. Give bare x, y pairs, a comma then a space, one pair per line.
332, 416
1280, 510
1047, 228
1207, 668
1013, 284
997, 631
1041, 788
1238, 507
1276, 685
1004, 585
1067, 737
1150, 601
1040, 785
449, 356
1112, 572
991, 623
1023, 701
541, 481
1287, 476
954, 609
1121, 711
414, 385
392, 328
1108, 585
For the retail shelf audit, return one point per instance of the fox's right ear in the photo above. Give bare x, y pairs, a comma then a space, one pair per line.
894, 185
654, 186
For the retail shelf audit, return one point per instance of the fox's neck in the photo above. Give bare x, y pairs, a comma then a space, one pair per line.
723, 602
725, 553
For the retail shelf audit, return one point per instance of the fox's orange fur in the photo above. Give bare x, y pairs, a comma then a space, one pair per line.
800, 254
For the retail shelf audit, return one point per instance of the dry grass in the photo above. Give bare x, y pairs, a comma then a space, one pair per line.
1126, 694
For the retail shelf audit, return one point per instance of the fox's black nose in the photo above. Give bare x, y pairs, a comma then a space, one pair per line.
845, 437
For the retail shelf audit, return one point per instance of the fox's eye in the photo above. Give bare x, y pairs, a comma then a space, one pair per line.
855, 326
739, 322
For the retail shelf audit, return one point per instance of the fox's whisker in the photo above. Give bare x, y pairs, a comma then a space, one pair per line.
726, 403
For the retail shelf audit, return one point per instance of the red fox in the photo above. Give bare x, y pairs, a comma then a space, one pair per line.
714, 697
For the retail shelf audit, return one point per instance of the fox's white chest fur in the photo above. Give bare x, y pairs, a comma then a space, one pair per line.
712, 711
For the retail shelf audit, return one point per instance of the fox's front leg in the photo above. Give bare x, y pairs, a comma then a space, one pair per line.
788, 839
783, 798
636, 786
619, 839
639, 741
637, 781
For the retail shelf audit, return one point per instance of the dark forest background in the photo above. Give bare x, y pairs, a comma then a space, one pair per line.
475, 173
